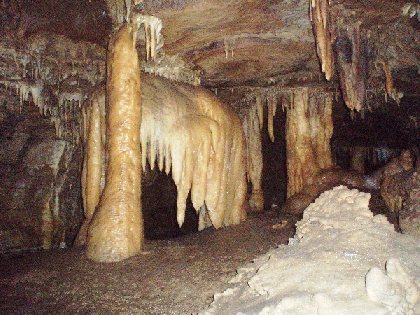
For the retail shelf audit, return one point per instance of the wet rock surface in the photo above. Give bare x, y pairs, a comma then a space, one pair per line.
177, 276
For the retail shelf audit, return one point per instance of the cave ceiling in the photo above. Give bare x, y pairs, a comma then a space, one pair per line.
230, 43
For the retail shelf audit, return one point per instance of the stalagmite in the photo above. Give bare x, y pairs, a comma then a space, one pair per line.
116, 230
308, 134
319, 13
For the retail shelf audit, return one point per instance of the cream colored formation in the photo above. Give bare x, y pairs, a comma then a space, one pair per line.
188, 133
116, 228
309, 129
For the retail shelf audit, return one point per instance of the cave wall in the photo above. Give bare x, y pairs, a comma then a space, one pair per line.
40, 200
44, 79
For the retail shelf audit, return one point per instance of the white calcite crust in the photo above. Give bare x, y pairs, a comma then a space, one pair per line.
342, 260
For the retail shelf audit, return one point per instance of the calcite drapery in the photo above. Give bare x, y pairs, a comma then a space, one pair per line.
309, 129
187, 132
116, 229
308, 132
252, 125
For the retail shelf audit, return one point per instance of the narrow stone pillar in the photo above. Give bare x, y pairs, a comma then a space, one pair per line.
93, 163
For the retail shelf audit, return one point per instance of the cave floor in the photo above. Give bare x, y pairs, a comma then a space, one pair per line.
175, 276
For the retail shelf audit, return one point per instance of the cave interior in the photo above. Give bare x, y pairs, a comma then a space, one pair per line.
249, 111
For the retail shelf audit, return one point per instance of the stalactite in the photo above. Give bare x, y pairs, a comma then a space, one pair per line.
319, 13
153, 37
351, 70
260, 110
390, 89
272, 107
49, 68
116, 229
228, 47
117, 11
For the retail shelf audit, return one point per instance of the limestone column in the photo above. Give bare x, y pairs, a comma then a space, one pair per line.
116, 230
309, 129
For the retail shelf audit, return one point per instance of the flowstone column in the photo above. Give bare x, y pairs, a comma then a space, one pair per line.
309, 129
116, 230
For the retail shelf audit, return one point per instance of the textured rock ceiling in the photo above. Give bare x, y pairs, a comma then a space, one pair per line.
232, 42
238, 41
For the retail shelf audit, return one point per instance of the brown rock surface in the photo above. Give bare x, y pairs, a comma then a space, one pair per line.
410, 212
40, 189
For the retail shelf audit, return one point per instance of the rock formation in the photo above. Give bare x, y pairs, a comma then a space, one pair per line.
256, 56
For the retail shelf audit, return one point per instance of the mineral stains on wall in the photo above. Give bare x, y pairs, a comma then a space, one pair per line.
54, 72
354, 44
46, 78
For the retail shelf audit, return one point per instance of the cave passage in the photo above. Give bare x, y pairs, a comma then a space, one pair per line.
159, 207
